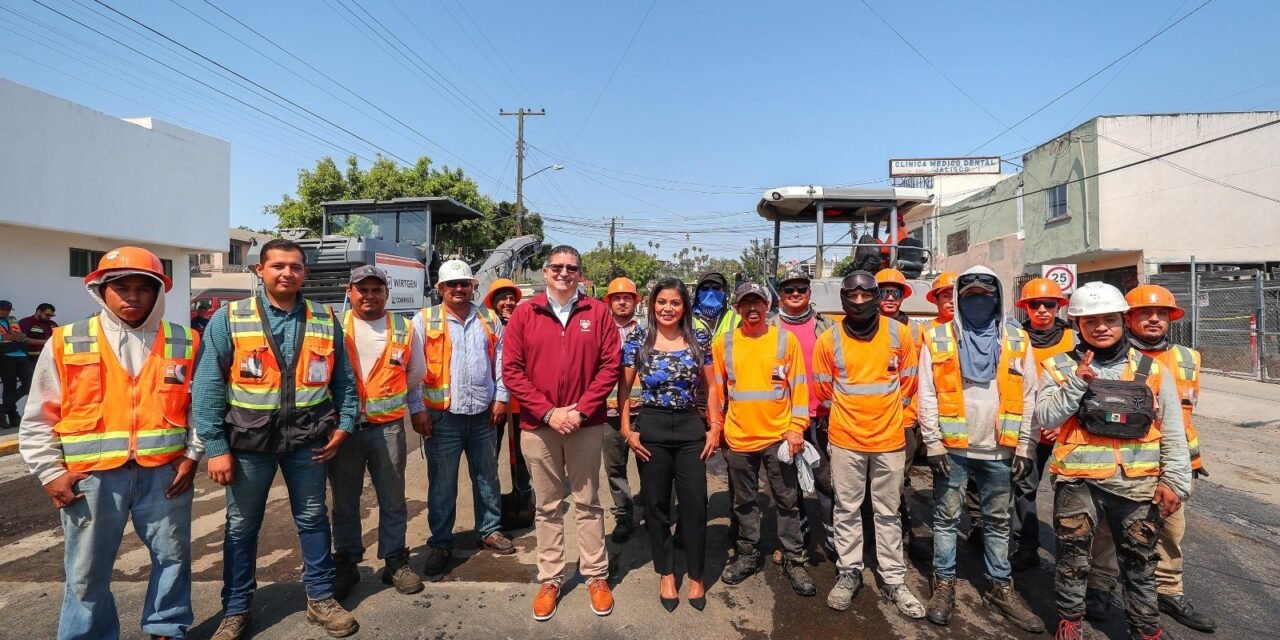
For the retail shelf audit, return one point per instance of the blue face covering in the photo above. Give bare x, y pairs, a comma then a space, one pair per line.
979, 337
710, 302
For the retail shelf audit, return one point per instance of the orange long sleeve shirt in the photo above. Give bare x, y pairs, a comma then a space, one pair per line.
868, 385
764, 381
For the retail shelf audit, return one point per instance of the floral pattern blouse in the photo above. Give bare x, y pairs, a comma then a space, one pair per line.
670, 380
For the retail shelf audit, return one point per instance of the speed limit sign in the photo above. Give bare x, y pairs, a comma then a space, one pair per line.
1064, 275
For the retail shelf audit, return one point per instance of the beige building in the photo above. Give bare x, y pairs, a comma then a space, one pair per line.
1124, 197
231, 269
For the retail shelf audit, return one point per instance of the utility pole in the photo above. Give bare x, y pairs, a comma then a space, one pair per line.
613, 229
520, 115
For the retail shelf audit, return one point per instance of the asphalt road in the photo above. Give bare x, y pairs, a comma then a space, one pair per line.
1232, 550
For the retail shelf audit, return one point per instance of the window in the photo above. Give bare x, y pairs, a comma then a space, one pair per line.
1057, 203
235, 255
958, 242
84, 262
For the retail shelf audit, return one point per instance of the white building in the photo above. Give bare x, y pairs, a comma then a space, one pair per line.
76, 183
230, 269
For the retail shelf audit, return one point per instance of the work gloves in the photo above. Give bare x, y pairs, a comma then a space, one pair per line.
1022, 467
1200, 473
941, 465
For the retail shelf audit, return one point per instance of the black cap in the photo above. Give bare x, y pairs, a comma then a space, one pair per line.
5, 305
364, 272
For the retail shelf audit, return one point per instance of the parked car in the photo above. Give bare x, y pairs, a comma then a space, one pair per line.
205, 302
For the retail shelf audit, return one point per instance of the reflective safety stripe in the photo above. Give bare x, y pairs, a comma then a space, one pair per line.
798, 411
822, 377
749, 396
178, 342
728, 353
310, 396
909, 371
161, 441
955, 432
376, 407
79, 448
1188, 364
82, 337
1010, 426
869, 389
249, 399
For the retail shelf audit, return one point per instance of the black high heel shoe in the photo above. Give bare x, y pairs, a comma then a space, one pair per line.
669, 604
698, 603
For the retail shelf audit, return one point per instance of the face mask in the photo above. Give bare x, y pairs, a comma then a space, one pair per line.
710, 300
977, 309
861, 318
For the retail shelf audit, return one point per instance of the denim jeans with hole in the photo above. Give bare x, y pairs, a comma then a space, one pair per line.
995, 489
246, 503
94, 527
451, 436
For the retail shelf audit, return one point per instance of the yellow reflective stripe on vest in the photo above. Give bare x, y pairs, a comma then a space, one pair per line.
77, 448
178, 341
1188, 368
81, 337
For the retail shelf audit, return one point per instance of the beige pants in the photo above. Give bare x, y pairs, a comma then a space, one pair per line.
849, 472
552, 459
1106, 567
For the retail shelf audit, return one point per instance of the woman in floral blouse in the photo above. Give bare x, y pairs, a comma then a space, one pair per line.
671, 360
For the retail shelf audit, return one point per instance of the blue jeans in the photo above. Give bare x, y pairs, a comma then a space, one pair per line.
996, 491
381, 450
94, 526
246, 502
451, 435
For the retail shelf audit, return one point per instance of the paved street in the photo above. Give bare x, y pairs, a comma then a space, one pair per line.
1233, 558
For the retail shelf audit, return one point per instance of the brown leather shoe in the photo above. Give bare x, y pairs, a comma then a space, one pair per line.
601, 596
498, 543
233, 627
337, 621
545, 603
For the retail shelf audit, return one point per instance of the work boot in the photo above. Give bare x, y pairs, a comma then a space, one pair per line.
841, 596
902, 598
942, 601
498, 543
798, 576
1149, 633
1097, 605
400, 575
1179, 608
337, 621
233, 627
743, 566
436, 562
1024, 558
346, 577
1001, 597
1070, 627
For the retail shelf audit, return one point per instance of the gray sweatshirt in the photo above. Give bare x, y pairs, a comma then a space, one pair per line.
1055, 403
37, 442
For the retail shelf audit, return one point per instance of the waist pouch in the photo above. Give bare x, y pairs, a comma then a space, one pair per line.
1121, 409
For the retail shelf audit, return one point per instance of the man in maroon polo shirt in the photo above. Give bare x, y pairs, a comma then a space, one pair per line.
561, 357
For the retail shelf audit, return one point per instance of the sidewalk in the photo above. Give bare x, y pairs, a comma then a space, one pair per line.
1247, 403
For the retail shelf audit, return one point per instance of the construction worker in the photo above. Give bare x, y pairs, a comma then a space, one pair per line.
622, 297
760, 370
1121, 457
711, 311
862, 371
977, 387
15, 366
942, 294
387, 358
464, 398
1151, 309
274, 391
1050, 335
502, 298
797, 316
893, 290
106, 432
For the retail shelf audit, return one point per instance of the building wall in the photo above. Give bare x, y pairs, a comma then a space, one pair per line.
1172, 212
1070, 156
37, 268
65, 166
1002, 255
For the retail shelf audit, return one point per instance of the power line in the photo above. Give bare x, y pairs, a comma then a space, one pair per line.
613, 73
1194, 173
1091, 77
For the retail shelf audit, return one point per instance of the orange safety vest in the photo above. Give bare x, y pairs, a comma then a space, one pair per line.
253, 388
109, 415
382, 396
1080, 454
868, 404
948, 384
438, 349
1184, 363
1041, 354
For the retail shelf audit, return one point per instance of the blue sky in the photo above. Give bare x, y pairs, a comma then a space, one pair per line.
712, 102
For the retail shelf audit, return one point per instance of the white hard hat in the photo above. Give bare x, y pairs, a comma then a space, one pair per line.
1095, 299
455, 270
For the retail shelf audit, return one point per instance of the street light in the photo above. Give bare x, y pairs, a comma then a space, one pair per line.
520, 191
554, 167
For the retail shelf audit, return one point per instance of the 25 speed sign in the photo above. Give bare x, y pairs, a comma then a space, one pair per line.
1064, 275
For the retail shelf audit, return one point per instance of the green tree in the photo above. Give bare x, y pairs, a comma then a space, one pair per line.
628, 260
757, 261
385, 179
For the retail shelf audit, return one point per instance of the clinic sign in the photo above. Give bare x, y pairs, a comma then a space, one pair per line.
942, 166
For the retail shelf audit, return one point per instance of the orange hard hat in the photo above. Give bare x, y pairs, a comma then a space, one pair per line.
499, 285
893, 276
945, 280
130, 259
621, 285
1153, 295
1041, 289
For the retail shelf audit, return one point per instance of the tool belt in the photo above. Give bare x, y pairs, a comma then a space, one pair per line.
1121, 409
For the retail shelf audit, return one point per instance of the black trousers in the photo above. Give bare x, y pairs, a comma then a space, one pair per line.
15, 375
674, 439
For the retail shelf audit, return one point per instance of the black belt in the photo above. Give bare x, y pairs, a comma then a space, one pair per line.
661, 409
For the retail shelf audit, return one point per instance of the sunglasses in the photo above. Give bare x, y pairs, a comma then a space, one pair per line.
800, 288
1051, 305
459, 284
557, 268
970, 278
890, 293
711, 287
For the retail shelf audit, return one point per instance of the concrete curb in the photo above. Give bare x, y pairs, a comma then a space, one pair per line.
8, 447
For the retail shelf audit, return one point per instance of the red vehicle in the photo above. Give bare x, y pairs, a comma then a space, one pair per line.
204, 303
